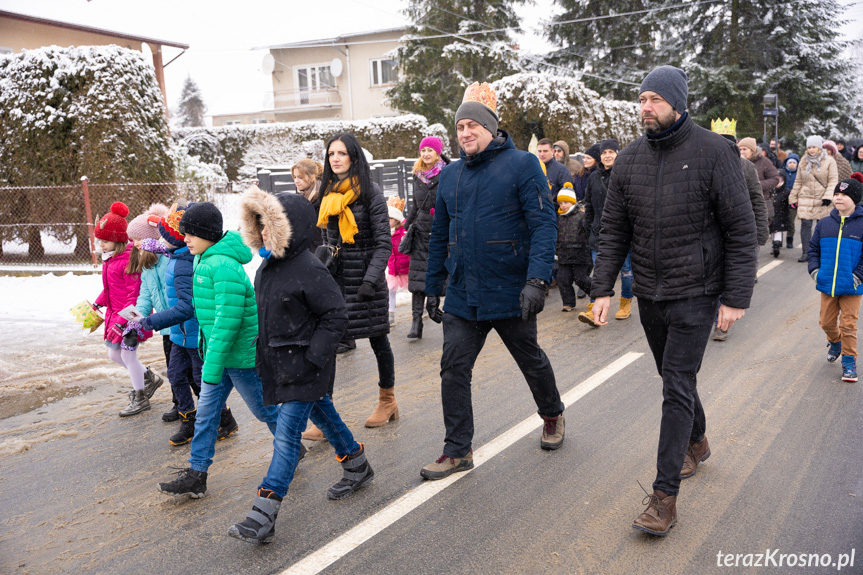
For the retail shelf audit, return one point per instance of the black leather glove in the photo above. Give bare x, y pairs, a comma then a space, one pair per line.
366, 292
826, 202
433, 307
532, 298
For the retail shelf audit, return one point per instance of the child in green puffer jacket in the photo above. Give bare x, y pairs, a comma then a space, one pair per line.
227, 314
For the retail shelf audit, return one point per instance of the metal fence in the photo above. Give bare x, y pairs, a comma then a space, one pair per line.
53, 225
395, 177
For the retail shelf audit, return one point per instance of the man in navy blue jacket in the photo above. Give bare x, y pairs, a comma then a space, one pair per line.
493, 237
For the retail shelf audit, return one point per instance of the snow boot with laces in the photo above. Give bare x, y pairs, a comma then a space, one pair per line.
138, 402
152, 382
357, 472
259, 526
189, 482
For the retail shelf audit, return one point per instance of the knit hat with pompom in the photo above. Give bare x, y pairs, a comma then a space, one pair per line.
112, 226
169, 226
147, 224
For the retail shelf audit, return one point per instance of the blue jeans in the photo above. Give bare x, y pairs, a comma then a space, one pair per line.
625, 274
210, 404
293, 416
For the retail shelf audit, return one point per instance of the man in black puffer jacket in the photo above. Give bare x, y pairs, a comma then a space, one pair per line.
677, 198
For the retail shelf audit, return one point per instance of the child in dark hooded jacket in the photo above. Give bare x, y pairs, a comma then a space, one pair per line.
302, 316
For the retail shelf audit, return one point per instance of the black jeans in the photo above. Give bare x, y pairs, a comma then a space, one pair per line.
184, 373
386, 361
167, 346
677, 332
566, 275
462, 342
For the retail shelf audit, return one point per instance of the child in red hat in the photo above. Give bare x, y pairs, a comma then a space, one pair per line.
120, 289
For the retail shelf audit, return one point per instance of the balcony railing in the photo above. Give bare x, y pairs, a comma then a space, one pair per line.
307, 99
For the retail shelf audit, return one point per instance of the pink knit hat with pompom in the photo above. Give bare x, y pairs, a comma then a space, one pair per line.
147, 224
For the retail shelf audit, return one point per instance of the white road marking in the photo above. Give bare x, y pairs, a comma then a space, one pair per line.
766, 268
356, 536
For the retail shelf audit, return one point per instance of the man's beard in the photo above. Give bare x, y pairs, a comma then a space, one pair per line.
658, 124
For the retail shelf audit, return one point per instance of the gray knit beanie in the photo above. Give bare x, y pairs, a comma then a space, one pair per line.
480, 105
478, 113
670, 83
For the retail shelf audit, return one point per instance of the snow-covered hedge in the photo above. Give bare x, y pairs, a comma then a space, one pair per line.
86, 110
69, 112
562, 108
238, 149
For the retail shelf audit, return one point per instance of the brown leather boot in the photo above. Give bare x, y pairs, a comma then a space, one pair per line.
312, 433
660, 515
387, 409
695, 454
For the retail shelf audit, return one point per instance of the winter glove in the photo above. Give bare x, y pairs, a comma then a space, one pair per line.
814, 275
366, 292
154, 246
793, 206
532, 298
433, 307
857, 281
826, 202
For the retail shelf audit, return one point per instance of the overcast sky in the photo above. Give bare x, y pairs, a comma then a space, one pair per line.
221, 35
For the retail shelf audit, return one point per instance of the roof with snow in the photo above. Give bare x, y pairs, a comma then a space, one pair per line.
90, 29
343, 39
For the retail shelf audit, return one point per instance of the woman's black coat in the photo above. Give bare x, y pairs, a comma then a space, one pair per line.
419, 216
365, 260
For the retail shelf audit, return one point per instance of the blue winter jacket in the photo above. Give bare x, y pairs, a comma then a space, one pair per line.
180, 316
494, 228
153, 296
836, 251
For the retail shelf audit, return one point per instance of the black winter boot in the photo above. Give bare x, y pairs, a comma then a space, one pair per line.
789, 239
417, 301
357, 473
776, 245
188, 482
227, 424
187, 428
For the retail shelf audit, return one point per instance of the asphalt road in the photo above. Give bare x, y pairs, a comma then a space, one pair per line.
785, 476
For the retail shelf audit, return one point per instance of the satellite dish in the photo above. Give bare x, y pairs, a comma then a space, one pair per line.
336, 67
268, 64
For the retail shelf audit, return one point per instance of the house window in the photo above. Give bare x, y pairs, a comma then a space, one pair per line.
312, 78
382, 72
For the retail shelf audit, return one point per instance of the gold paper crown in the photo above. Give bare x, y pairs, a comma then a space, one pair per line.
482, 93
724, 127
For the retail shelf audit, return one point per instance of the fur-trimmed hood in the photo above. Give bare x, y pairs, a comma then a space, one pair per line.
289, 218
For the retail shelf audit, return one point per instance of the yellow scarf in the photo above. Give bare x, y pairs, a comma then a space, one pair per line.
336, 203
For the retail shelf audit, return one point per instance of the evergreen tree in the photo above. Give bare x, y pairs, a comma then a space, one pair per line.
434, 71
749, 49
191, 109
613, 52
734, 51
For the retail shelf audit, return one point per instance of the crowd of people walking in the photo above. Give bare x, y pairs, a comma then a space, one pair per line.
678, 215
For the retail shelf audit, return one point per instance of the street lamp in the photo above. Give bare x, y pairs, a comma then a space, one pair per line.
771, 110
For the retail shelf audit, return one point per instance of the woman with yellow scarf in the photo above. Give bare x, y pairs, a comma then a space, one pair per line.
354, 217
